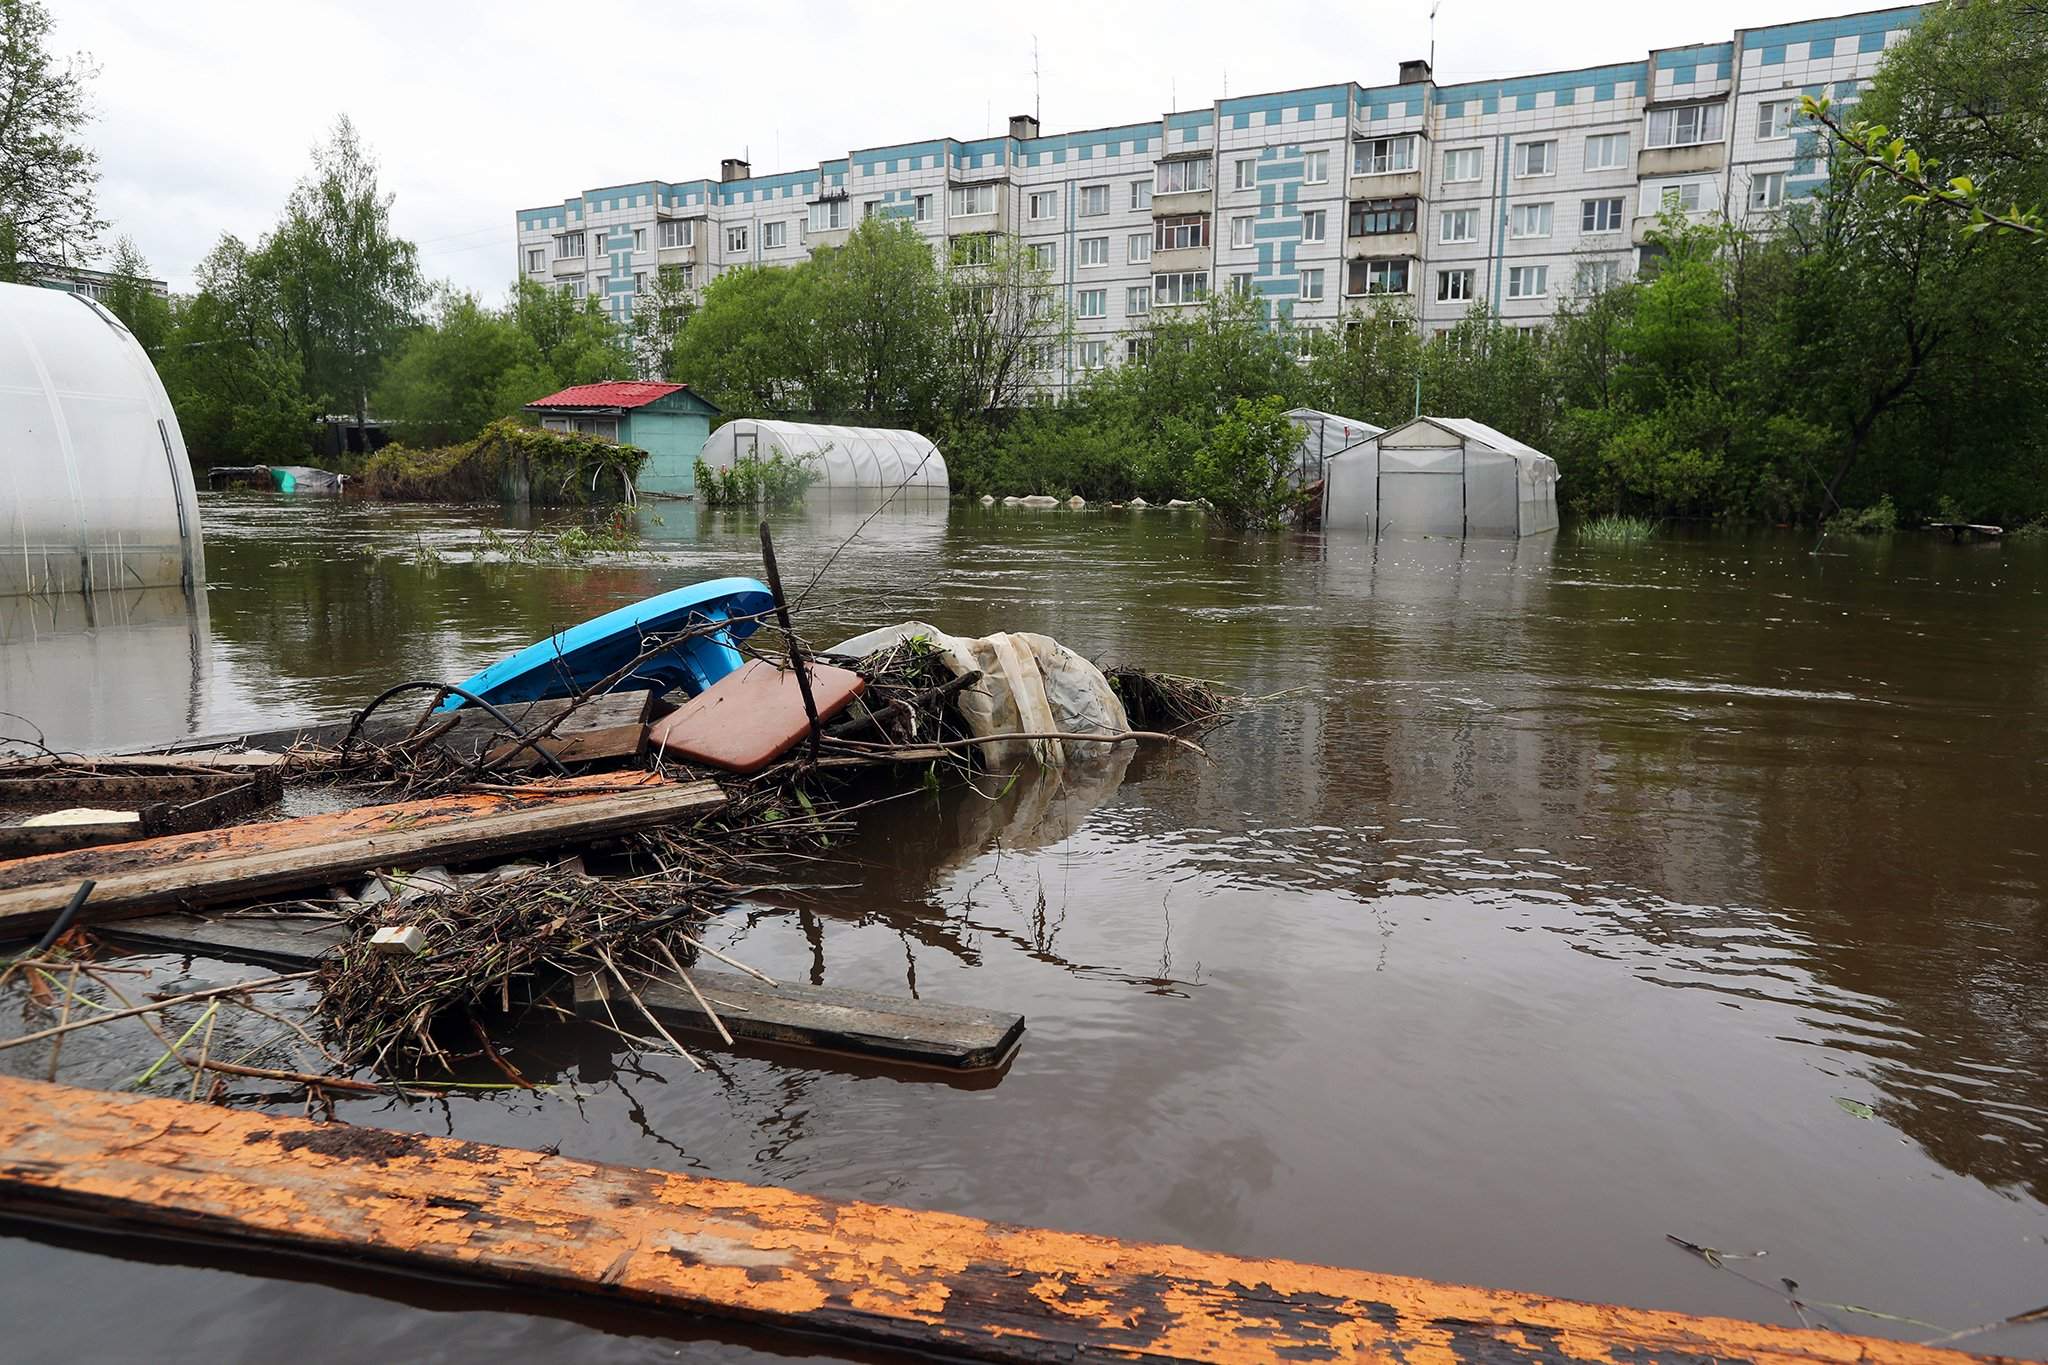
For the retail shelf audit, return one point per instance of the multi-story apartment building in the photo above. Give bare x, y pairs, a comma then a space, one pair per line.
1513, 193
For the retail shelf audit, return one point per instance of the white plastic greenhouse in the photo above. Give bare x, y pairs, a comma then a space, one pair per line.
1323, 435
95, 488
879, 459
1441, 476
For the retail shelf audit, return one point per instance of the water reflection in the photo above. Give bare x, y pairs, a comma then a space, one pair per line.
75, 666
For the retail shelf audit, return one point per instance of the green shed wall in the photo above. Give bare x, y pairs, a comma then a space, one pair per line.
672, 440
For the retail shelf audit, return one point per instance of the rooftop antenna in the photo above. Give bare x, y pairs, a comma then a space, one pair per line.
1037, 108
1435, 5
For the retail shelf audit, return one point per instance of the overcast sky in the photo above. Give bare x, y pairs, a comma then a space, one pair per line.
208, 109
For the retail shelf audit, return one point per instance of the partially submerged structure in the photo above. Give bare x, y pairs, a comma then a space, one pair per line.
668, 421
878, 459
1441, 476
95, 488
1324, 436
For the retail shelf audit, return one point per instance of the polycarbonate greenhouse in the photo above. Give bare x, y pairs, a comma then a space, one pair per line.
1323, 435
95, 489
879, 459
1441, 476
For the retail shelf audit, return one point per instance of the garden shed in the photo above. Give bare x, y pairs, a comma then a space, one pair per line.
667, 421
1441, 476
882, 459
95, 488
1323, 435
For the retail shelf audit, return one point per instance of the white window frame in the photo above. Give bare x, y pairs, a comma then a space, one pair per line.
639, 239
736, 239
1527, 159
1708, 124
971, 201
1241, 229
1138, 248
1240, 283
1092, 252
1455, 286
828, 215
1091, 303
536, 259
1674, 195
1094, 354
1315, 168
1518, 273
1397, 155
774, 235
569, 244
1244, 173
1522, 215
1187, 175
1774, 120
1141, 193
1311, 286
1596, 275
1380, 270
1474, 156
1094, 202
1137, 300
1766, 191
1599, 209
680, 232
1044, 255
1049, 200
1616, 143
921, 208
1187, 287
1315, 225
1468, 217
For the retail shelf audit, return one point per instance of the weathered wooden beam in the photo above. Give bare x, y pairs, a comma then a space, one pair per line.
247, 862
929, 1281
897, 1028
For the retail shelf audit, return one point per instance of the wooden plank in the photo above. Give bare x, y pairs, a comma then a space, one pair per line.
26, 841
935, 1282
287, 942
246, 862
613, 726
126, 790
922, 1032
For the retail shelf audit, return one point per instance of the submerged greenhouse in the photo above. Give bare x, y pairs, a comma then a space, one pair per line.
1441, 476
877, 459
1324, 435
95, 489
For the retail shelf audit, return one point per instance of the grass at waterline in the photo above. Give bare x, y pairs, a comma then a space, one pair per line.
1616, 530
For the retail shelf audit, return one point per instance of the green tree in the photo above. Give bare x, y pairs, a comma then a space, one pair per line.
48, 177
348, 287
231, 369
1242, 467
573, 339
659, 315
130, 299
749, 349
880, 309
470, 365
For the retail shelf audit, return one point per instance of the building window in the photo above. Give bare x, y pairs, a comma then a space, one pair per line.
1453, 285
972, 199
1138, 247
1315, 168
1181, 177
674, 232
1606, 151
1171, 291
1766, 190
1094, 354
536, 260
639, 281
1461, 163
1315, 225
1044, 255
1685, 197
774, 236
1378, 277
1686, 126
1092, 303
1536, 158
1240, 284
1376, 217
1600, 215
1311, 286
569, 244
1530, 220
1180, 231
1460, 225
736, 239
1241, 230
921, 209
1138, 348
1138, 300
1383, 155
974, 248
1095, 251
639, 239
1528, 281
1773, 120
1141, 194
828, 216
1595, 276
1094, 200
1044, 204
1246, 173
686, 275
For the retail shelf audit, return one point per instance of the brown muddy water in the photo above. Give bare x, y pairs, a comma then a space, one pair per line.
1575, 895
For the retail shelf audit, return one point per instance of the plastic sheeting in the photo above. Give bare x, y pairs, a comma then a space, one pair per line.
1441, 476
882, 459
95, 489
1030, 684
1324, 435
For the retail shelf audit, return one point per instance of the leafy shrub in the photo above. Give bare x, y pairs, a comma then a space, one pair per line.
1242, 467
507, 462
1876, 519
1616, 530
750, 481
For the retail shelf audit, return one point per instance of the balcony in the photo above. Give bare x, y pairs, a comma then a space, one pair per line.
1177, 259
675, 255
1662, 161
1385, 185
565, 267
1381, 245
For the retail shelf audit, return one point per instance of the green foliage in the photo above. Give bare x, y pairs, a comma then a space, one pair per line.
777, 482
1616, 530
554, 468
233, 375
48, 178
1879, 518
468, 367
130, 299
1242, 467
572, 544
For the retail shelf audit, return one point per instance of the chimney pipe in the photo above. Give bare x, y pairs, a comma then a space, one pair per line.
1415, 72
1024, 127
734, 168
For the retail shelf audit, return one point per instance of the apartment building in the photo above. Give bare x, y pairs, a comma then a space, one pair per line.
1516, 193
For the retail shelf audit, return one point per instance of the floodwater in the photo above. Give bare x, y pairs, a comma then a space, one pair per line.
1567, 897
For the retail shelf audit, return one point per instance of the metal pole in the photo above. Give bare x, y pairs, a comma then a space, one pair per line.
796, 652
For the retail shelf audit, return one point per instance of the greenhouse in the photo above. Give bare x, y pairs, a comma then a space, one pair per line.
1441, 476
95, 488
842, 458
1323, 435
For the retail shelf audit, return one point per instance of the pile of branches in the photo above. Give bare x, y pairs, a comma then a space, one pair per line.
1166, 701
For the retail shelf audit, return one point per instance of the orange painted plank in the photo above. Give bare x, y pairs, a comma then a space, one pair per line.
753, 715
243, 862
932, 1281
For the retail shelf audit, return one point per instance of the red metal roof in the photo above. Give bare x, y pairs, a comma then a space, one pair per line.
610, 394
